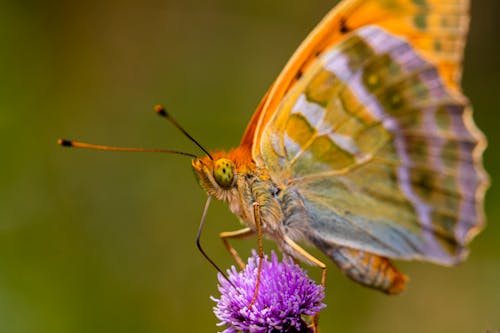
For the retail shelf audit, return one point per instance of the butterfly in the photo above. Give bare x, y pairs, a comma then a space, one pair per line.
364, 146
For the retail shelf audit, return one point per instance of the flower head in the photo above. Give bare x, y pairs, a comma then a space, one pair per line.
285, 294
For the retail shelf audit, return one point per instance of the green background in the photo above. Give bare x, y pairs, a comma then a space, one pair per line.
104, 242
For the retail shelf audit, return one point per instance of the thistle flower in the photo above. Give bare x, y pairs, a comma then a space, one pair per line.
285, 295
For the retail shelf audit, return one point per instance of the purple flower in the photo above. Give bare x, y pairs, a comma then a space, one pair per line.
285, 294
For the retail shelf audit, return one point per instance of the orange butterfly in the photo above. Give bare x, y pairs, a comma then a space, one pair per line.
364, 146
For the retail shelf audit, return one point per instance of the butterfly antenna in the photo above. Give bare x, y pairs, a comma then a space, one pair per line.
77, 144
163, 112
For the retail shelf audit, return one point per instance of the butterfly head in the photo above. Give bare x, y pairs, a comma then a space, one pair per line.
217, 176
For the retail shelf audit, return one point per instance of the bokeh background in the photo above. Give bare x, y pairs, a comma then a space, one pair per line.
104, 242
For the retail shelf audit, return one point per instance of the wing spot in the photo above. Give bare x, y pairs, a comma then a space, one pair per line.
373, 80
343, 26
299, 74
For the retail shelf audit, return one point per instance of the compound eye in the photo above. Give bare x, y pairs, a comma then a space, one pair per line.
223, 172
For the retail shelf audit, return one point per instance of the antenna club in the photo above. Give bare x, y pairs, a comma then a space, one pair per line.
65, 143
161, 110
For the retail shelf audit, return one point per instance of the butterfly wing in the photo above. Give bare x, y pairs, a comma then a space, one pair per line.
437, 29
373, 133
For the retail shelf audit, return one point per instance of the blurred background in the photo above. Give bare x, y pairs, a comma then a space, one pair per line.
104, 242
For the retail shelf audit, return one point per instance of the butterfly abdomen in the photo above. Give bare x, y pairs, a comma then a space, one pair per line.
369, 269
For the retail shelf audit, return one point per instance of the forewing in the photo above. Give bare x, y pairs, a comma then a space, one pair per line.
435, 28
382, 149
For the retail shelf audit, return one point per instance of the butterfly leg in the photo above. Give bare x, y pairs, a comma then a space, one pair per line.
260, 249
245, 233
309, 257
237, 234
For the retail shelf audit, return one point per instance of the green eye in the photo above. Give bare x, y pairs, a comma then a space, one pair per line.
223, 172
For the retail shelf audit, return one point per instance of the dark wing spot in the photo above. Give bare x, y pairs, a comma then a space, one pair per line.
299, 74
425, 183
223, 170
343, 26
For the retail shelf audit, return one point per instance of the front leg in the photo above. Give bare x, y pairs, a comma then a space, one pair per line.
237, 234
260, 250
242, 234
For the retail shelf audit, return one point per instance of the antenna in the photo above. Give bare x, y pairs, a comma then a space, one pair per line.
163, 112
77, 144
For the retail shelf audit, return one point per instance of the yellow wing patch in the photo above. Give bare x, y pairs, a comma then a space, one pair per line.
436, 30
